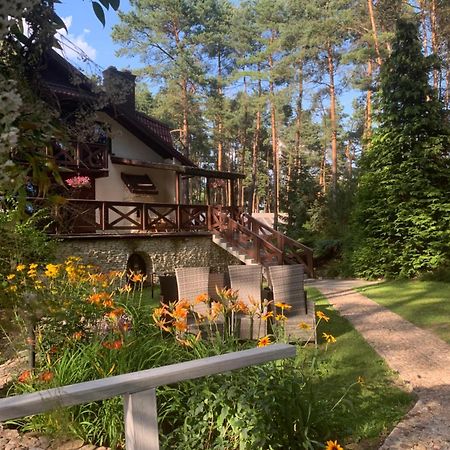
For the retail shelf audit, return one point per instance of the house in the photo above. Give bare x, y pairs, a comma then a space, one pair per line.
131, 196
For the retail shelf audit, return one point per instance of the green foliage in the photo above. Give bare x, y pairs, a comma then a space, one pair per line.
22, 238
402, 215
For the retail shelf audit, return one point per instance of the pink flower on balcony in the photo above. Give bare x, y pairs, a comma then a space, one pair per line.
79, 182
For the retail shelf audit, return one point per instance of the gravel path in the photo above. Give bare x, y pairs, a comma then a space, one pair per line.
421, 359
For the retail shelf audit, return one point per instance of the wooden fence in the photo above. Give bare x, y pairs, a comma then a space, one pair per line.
139, 391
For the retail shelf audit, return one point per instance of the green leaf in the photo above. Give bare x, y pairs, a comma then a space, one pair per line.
105, 3
114, 4
98, 10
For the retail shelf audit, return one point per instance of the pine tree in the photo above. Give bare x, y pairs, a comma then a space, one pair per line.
403, 203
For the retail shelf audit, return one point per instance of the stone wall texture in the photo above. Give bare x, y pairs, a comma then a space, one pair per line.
162, 254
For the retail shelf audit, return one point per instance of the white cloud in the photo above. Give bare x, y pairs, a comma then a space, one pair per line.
70, 42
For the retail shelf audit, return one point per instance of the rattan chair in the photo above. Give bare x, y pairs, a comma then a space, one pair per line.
288, 287
192, 282
248, 281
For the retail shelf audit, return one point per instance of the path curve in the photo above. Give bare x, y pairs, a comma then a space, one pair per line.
421, 359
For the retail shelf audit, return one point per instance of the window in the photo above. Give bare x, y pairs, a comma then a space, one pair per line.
139, 184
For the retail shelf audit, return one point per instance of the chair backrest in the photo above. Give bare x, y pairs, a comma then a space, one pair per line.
248, 280
288, 286
216, 281
192, 282
168, 285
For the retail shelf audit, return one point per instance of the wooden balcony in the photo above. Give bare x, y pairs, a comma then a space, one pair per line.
80, 156
81, 217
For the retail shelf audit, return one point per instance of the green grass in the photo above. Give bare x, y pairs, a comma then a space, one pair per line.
369, 410
424, 303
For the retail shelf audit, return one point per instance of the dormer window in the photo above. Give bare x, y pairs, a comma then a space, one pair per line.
139, 184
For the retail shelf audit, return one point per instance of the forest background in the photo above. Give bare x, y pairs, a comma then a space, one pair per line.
258, 87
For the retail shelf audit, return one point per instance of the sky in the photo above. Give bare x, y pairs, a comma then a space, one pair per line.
87, 33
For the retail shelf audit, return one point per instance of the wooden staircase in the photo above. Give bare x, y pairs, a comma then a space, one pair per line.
254, 242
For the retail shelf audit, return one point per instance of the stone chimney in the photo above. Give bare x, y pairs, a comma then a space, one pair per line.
120, 86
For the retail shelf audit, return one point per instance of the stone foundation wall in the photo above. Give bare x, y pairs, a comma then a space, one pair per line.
161, 254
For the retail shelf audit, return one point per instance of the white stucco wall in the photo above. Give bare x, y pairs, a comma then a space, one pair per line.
126, 145
112, 188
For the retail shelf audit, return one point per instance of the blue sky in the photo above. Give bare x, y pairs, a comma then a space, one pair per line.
85, 30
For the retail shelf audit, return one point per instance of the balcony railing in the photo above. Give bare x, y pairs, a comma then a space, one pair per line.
81, 156
77, 216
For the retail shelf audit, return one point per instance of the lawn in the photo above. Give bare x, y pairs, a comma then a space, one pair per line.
369, 409
424, 303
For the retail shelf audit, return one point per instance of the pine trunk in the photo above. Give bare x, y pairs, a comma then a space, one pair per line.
276, 168
219, 116
255, 151
423, 21
333, 119
434, 40
374, 31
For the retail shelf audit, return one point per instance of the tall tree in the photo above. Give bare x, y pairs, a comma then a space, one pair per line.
404, 190
162, 33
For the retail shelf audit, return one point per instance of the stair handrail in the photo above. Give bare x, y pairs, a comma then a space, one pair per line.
282, 240
228, 225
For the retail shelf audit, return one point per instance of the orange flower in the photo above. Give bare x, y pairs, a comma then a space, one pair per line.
180, 325
264, 341
138, 278
333, 445
304, 326
24, 376
46, 376
115, 345
202, 298
240, 306
320, 315
77, 335
115, 313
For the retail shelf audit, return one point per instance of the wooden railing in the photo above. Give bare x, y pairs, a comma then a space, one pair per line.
293, 252
261, 242
139, 391
81, 155
76, 216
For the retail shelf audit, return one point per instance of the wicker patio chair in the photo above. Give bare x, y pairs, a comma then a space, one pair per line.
248, 280
288, 287
192, 282
216, 281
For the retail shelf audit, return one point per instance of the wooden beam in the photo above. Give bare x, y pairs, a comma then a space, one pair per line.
141, 420
90, 391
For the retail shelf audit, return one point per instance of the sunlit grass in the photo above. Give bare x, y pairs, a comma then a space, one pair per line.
370, 409
424, 303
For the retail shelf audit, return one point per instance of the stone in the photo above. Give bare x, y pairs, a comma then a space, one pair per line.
70, 445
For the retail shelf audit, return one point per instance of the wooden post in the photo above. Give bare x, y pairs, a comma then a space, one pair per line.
141, 420
232, 198
177, 188
104, 220
208, 192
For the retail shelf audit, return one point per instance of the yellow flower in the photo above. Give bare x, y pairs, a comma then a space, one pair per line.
280, 317
320, 315
333, 445
264, 341
33, 266
21, 267
304, 326
283, 305
12, 288
266, 315
38, 285
32, 273
329, 338
11, 276
360, 380
51, 270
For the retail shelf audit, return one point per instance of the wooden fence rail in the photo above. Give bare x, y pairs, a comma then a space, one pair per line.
138, 391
